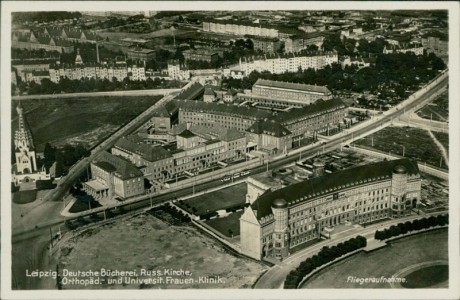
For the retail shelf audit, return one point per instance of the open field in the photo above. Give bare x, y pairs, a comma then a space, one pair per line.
438, 110
228, 226
84, 120
145, 242
398, 255
217, 200
417, 144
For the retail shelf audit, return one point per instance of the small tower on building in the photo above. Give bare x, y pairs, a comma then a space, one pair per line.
78, 59
24, 146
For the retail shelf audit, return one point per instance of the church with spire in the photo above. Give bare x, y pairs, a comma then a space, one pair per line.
26, 168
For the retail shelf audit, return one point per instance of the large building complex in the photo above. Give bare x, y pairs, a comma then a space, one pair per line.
238, 28
288, 217
298, 43
197, 148
300, 122
290, 62
33, 40
285, 94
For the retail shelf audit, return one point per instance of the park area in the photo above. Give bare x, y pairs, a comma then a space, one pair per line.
406, 253
438, 110
24, 197
233, 196
145, 242
416, 144
85, 120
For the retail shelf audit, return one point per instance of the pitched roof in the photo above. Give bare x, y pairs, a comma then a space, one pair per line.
323, 185
224, 109
292, 86
268, 127
193, 92
122, 167
209, 92
186, 134
167, 110
319, 107
148, 152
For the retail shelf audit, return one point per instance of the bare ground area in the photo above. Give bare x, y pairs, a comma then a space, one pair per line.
145, 242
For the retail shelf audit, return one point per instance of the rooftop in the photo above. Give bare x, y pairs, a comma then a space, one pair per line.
148, 152
267, 127
308, 190
292, 86
122, 167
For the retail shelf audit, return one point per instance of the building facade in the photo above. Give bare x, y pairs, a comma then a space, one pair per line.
238, 28
279, 220
285, 94
141, 54
290, 62
114, 176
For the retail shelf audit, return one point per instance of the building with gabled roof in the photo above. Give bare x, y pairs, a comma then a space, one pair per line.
285, 94
114, 176
270, 136
288, 217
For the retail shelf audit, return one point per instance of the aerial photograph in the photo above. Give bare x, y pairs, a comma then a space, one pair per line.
269, 149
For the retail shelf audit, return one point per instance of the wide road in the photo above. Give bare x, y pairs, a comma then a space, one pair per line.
275, 276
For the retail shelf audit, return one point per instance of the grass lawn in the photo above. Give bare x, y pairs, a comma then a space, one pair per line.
385, 262
417, 143
79, 206
86, 120
223, 225
427, 277
438, 109
145, 242
217, 200
23, 197
443, 138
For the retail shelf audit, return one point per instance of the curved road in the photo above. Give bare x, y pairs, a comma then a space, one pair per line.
274, 277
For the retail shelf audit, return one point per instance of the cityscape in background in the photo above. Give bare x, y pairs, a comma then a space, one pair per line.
230, 149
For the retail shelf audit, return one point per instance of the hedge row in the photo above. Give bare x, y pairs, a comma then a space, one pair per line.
325, 255
45, 184
403, 228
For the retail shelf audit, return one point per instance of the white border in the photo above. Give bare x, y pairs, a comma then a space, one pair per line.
454, 106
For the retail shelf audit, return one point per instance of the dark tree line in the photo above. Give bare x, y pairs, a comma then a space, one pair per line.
403, 228
66, 85
44, 16
325, 255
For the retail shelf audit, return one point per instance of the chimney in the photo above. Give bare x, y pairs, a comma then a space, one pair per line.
97, 52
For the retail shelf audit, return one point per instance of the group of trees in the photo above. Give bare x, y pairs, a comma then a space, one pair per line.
325, 255
403, 228
64, 157
392, 76
176, 214
43, 16
94, 85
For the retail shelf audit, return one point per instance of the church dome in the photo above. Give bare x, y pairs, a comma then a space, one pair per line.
279, 203
399, 169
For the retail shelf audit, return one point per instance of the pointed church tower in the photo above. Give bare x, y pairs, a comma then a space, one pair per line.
78, 59
24, 145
